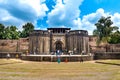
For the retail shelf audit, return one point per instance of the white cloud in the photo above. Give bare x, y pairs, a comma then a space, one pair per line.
7, 19
65, 13
17, 12
88, 21
116, 19
37, 5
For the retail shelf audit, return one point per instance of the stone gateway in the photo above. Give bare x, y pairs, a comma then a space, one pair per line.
43, 42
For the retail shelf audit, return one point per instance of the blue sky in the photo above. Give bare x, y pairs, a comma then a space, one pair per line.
75, 14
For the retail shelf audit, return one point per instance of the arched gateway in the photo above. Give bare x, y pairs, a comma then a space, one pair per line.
58, 45
64, 39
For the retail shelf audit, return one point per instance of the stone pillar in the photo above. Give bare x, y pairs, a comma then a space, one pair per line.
81, 44
37, 44
88, 48
32, 46
50, 36
66, 41
78, 43
43, 45
40, 45
84, 44
18, 46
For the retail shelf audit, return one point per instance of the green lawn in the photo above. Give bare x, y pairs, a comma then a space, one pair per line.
90, 70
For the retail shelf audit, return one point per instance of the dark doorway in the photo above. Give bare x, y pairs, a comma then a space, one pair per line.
58, 45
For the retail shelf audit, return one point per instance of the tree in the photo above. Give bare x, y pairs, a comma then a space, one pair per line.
27, 28
104, 29
11, 33
14, 33
115, 38
7, 34
2, 28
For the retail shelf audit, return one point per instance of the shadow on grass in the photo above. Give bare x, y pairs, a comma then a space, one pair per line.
108, 63
10, 63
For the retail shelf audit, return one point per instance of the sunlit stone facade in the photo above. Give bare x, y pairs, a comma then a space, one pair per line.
63, 39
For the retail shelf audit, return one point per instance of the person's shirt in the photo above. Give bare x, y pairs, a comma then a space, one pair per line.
8, 55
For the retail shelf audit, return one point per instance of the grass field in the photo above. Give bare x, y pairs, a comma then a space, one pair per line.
13, 69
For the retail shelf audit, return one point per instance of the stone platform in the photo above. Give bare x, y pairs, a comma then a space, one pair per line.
53, 58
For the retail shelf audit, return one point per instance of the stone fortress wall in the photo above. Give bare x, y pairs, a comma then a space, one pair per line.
20, 45
63, 39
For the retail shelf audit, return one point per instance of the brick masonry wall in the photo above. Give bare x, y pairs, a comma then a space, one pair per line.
20, 45
107, 55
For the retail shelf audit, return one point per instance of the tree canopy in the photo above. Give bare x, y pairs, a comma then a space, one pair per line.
11, 32
115, 38
104, 29
27, 28
2, 28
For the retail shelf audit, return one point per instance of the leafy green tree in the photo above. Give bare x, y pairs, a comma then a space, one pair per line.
27, 28
14, 33
7, 34
11, 33
19, 33
115, 38
2, 28
104, 29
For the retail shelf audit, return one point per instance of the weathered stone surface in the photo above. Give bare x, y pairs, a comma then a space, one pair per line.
63, 39
20, 45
